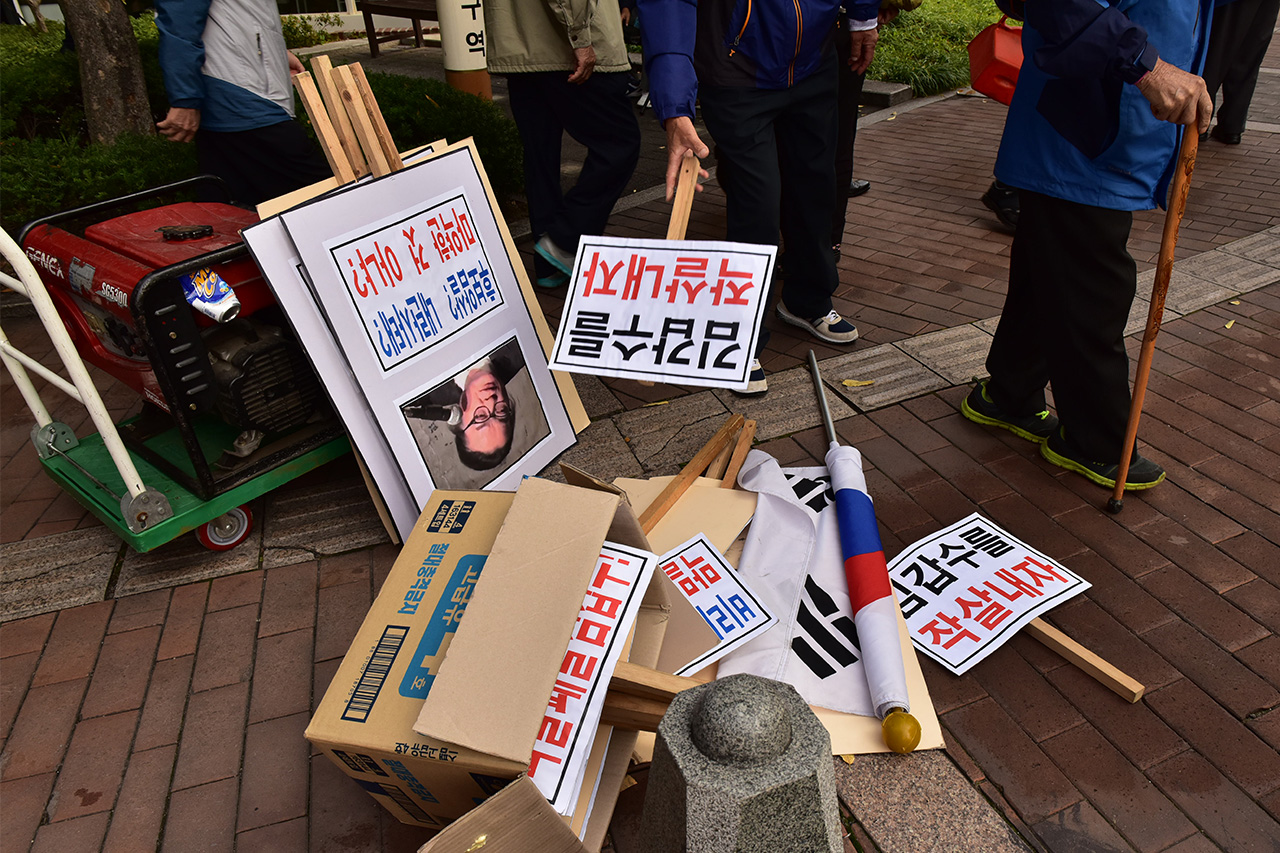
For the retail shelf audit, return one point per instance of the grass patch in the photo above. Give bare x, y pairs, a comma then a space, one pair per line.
928, 48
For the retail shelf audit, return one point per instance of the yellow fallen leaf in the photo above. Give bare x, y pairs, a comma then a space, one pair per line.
1230, 323
655, 403
1235, 301
892, 116
857, 383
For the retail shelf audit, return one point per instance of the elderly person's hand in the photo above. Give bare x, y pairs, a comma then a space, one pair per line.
1177, 96
180, 124
682, 137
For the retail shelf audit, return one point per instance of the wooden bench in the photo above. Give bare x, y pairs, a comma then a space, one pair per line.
415, 10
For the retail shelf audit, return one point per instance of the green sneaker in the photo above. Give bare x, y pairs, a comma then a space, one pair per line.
981, 409
1143, 473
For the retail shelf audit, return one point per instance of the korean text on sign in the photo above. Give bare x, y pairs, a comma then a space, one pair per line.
716, 591
568, 729
417, 281
686, 312
967, 589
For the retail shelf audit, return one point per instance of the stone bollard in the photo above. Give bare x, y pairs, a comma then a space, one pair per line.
741, 765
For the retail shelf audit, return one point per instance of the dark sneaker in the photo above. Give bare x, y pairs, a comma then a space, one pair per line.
1002, 200
830, 327
552, 281
981, 409
858, 187
1143, 473
756, 384
554, 255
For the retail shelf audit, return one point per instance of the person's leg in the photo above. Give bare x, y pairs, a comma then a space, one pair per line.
848, 97
263, 163
806, 134
599, 115
1251, 39
540, 135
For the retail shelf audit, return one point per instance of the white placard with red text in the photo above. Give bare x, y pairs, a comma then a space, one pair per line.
684, 312
716, 591
969, 587
609, 609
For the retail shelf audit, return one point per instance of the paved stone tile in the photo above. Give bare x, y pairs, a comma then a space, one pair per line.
665, 437
355, 567
287, 837
1267, 727
73, 644
1229, 817
1263, 658
897, 377
872, 785
948, 692
1055, 537
1023, 693
1029, 779
42, 730
974, 480
282, 676
22, 803
1087, 624
202, 818
56, 572
341, 613
139, 611
342, 816
23, 636
182, 625
1080, 827
1229, 270
1192, 512
790, 406
139, 811
1126, 600
324, 518
226, 648
212, 736
83, 833
15, 678
273, 781
184, 561
596, 397
161, 722
1109, 540
124, 666
94, 766
958, 355
1216, 735
1215, 616
288, 599
1198, 843
943, 501
600, 447
234, 591
1118, 789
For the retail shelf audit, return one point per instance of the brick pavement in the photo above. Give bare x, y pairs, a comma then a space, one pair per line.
171, 718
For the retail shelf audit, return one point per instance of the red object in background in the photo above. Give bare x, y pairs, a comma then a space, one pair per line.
995, 56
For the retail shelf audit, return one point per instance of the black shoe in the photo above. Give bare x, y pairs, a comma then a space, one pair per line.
981, 409
858, 187
1002, 200
1143, 473
1225, 137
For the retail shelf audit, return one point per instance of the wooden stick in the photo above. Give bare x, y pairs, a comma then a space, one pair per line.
718, 465
361, 122
740, 451
632, 713
330, 142
380, 128
323, 69
635, 680
1159, 289
1109, 676
677, 487
684, 197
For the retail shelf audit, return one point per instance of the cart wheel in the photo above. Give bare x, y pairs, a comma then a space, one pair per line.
226, 531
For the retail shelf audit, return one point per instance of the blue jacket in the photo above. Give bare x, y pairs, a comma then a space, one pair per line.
765, 44
1078, 129
227, 59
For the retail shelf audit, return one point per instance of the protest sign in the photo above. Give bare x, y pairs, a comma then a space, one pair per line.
675, 311
969, 587
713, 587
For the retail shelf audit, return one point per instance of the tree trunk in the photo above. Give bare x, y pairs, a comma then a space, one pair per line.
115, 92
36, 15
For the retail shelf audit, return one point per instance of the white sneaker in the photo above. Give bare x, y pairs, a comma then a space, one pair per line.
756, 384
831, 328
554, 255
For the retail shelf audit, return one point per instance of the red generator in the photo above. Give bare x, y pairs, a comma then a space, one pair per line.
225, 403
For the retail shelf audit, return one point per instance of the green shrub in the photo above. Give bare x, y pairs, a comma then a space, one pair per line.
421, 111
307, 30
927, 48
43, 176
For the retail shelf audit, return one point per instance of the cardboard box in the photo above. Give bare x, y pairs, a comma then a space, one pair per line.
519, 566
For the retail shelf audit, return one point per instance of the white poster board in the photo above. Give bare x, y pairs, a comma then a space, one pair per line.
968, 588
420, 327
685, 312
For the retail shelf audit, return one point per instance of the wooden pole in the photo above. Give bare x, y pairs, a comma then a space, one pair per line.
323, 70
683, 202
330, 142
380, 129
1124, 686
360, 121
667, 497
740, 451
1159, 289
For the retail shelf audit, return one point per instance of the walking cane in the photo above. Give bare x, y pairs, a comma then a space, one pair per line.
1159, 289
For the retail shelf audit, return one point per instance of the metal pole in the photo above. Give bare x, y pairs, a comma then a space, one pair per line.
821, 394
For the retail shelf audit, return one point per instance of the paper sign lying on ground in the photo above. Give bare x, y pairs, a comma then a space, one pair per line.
969, 587
609, 608
713, 587
664, 310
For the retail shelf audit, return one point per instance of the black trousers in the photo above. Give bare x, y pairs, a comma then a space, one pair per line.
848, 98
779, 147
1071, 284
1237, 44
598, 115
263, 163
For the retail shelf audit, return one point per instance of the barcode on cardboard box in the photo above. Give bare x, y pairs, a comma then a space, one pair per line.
401, 799
375, 674
451, 516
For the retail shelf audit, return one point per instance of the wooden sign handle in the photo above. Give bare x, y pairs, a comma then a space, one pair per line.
667, 498
684, 197
1124, 686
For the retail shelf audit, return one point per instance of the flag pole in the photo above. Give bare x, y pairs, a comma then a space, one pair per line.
868, 581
